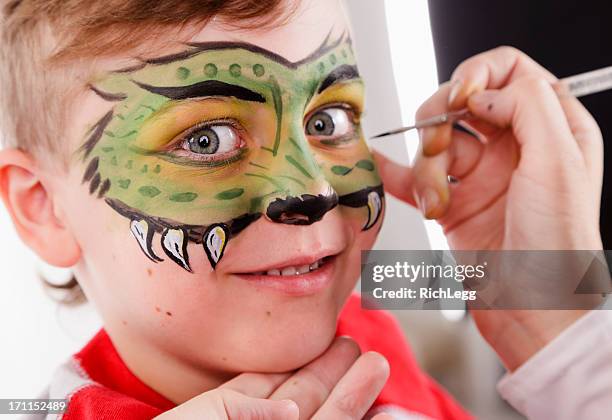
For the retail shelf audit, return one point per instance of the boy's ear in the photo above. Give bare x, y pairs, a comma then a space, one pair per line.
31, 207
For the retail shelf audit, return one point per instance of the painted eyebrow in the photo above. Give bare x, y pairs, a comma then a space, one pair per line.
342, 73
204, 89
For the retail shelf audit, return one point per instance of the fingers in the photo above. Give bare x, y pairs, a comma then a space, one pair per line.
492, 70
238, 406
398, 179
256, 385
357, 390
426, 184
589, 139
431, 189
437, 138
503, 66
224, 404
311, 385
531, 107
512, 98
444, 150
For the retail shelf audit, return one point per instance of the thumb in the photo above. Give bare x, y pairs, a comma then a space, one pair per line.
398, 179
239, 406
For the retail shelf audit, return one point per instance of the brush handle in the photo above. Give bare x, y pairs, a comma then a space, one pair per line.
579, 85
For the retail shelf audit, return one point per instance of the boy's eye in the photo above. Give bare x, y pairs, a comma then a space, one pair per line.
331, 125
211, 140
210, 143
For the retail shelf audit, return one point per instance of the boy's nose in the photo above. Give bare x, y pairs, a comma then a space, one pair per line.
305, 209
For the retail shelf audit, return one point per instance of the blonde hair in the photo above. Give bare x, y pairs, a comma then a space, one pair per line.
43, 42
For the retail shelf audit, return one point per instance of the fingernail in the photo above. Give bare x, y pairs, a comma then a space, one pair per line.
428, 202
455, 89
290, 406
459, 95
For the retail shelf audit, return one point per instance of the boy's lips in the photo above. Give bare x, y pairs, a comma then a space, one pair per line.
300, 261
296, 277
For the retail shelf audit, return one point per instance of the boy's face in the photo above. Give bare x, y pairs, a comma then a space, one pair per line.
221, 194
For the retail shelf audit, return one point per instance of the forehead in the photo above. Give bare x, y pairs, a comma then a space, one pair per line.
240, 63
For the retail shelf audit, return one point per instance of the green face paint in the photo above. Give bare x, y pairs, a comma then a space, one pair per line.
201, 144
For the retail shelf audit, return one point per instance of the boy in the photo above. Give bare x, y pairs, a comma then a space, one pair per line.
215, 190
201, 167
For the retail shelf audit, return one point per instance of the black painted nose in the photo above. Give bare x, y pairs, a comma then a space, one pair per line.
303, 210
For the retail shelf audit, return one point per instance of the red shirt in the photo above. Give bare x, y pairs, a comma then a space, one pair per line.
100, 386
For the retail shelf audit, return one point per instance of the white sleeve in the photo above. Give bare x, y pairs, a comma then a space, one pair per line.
570, 378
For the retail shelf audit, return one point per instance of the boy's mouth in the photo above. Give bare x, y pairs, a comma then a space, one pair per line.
295, 278
294, 270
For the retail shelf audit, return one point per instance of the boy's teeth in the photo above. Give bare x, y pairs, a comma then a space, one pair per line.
293, 271
289, 271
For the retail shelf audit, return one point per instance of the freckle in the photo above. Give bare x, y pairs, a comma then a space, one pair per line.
157, 309
224, 359
294, 383
490, 107
168, 313
268, 313
124, 322
149, 272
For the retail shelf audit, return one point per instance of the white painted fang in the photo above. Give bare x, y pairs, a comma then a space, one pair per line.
215, 241
144, 235
174, 243
374, 209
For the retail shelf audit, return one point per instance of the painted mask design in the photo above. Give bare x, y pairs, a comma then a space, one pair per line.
201, 144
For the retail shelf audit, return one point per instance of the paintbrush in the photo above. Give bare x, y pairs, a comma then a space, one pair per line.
579, 85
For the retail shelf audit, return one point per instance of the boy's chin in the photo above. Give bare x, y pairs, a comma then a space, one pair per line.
290, 350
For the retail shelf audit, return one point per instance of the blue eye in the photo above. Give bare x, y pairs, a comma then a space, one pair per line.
212, 140
331, 123
204, 141
321, 124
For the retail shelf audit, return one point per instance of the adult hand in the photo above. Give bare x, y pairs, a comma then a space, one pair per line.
531, 182
340, 384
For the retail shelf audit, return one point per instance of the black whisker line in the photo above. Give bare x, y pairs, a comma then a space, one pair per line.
131, 69
96, 135
167, 59
111, 97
